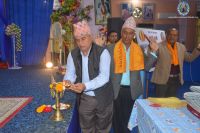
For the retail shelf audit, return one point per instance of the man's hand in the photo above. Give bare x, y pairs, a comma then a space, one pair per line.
67, 83
153, 44
79, 87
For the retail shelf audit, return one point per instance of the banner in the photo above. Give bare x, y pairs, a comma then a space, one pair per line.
159, 35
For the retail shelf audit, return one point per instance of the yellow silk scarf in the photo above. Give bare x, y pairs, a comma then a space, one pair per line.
136, 57
174, 53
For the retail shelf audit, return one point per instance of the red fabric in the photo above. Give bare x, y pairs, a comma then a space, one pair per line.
15, 112
193, 111
3, 65
155, 105
175, 69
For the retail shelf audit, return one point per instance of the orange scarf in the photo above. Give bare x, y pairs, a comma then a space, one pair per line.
136, 57
174, 53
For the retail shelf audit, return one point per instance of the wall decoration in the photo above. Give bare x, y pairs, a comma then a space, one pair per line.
148, 11
137, 12
126, 10
102, 11
183, 8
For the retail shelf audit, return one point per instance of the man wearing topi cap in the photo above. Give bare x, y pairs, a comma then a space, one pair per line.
88, 74
127, 60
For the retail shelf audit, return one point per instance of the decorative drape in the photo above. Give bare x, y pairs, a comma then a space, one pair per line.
33, 17
2, 48
3, 23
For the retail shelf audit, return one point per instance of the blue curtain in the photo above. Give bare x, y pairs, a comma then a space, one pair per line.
2, 52
192, 71
33, 17
3, 24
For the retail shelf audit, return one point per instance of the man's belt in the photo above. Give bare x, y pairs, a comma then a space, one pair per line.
125, 86
173, 75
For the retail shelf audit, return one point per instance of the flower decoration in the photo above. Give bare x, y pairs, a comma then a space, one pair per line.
44, 108
57, 86
70, 13
14, 30
62, 2
40, 108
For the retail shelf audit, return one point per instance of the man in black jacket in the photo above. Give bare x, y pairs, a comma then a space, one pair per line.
87, 74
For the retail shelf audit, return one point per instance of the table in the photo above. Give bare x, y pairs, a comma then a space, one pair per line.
162, 120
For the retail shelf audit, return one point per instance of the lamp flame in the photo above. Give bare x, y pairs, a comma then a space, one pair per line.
49, 64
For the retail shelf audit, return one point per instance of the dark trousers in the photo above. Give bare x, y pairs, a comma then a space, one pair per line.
170, 89
94, 118
122, 110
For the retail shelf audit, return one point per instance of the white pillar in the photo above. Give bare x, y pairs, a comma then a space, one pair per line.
14, 54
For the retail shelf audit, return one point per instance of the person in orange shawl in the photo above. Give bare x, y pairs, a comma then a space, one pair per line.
168, 73
127, 60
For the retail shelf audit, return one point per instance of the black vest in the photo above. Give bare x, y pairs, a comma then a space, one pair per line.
104, 94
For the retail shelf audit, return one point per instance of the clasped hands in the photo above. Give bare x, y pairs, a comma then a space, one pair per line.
77, 88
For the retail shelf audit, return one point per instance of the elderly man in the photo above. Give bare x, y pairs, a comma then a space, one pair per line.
168, 73
88, 75
126, 63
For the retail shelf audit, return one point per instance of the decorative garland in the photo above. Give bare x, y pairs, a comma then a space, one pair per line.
70, 13
14, 30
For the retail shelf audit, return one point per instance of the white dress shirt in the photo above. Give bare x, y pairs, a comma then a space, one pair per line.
99, 81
